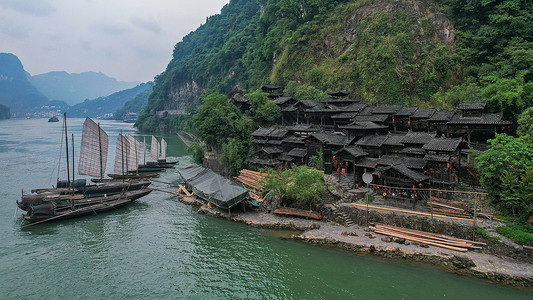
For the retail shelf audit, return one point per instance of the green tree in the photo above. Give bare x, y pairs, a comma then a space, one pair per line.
304, 91
506, 171
297, 187
262, 110
197, 152
525, 125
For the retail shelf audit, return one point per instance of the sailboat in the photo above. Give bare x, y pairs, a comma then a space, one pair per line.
127, 159
158, 152
52, 205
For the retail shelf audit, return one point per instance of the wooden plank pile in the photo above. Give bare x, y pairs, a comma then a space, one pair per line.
433, 239
455, 208
252, 179
309, 214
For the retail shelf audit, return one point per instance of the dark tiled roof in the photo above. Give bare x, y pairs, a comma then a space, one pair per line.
371, 140
414, 175
239, 98
410, 162
472, 106
270, 87
363, 126
344, 116
278, 133
367, 162
308, 103
423, 113
285, 157
484, 119
262, 132
338, 93
353, 151
259, 141
371, 118
294, 140
283, 100
290, 108
367, 111
442, 144
437, 157
406, 111
302, 128
298, 152
420, 138
411, 150
265, 162
442, 116
275, 142
394, 139
332, 139
354, 107
271, 150
386, 108
321, 107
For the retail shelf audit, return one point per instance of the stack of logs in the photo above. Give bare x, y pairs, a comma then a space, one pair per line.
255, 183
252, 179
433, 239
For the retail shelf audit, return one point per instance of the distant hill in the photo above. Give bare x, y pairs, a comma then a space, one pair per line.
4, 112
101, 106
16, 92
74, 88
134, 105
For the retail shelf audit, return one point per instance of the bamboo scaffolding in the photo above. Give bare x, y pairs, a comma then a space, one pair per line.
412, 212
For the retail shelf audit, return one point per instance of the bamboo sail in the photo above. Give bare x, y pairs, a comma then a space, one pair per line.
134, 152
155, 149
94, 148
163, 150
122, 154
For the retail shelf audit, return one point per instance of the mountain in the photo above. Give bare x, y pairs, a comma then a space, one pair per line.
102, 106
4, 112
416, 52
73, 88
16, 92
134, 105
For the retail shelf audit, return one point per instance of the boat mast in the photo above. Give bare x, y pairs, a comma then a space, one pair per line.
122, 152
100, 148
144, 152
73, 180
66, 145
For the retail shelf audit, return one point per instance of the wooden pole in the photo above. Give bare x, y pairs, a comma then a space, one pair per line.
367, 187
475, 210
413, 212
66, 145
100, 149
73, 173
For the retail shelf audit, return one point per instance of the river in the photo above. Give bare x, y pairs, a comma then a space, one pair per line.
160, 248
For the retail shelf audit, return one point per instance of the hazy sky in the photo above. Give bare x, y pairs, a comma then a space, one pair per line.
131, 40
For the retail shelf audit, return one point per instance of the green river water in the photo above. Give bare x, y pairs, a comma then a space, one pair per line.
160, 248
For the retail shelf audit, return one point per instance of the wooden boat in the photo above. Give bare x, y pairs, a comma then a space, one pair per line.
298, 213
53, 119
133, 176
53, 210
59, 194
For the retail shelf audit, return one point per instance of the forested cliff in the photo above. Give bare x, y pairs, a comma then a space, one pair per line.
434, 53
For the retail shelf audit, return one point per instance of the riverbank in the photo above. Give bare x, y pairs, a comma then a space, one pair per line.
361, 240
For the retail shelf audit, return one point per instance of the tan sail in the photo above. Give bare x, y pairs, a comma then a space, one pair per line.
134, 152
155, 149
122, 154
163, 149
94, 148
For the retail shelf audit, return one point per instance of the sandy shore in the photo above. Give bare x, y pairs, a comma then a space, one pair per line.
360, 239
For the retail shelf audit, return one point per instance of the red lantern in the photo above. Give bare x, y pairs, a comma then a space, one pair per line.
305, 115
291, 164
448, 165
333, 157
379, 175
346, 163
302, 160
393, 121
365, 170
409, 123
413, 187
420, 185
338, 170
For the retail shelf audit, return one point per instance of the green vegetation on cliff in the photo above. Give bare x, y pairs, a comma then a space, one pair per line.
433, 53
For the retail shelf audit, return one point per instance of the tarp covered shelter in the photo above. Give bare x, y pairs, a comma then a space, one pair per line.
212, 187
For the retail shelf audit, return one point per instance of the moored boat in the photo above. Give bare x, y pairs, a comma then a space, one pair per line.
53, 119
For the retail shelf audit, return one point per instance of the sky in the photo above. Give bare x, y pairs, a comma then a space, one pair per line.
130, 40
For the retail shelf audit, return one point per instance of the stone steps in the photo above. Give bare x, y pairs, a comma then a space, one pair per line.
341, 215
